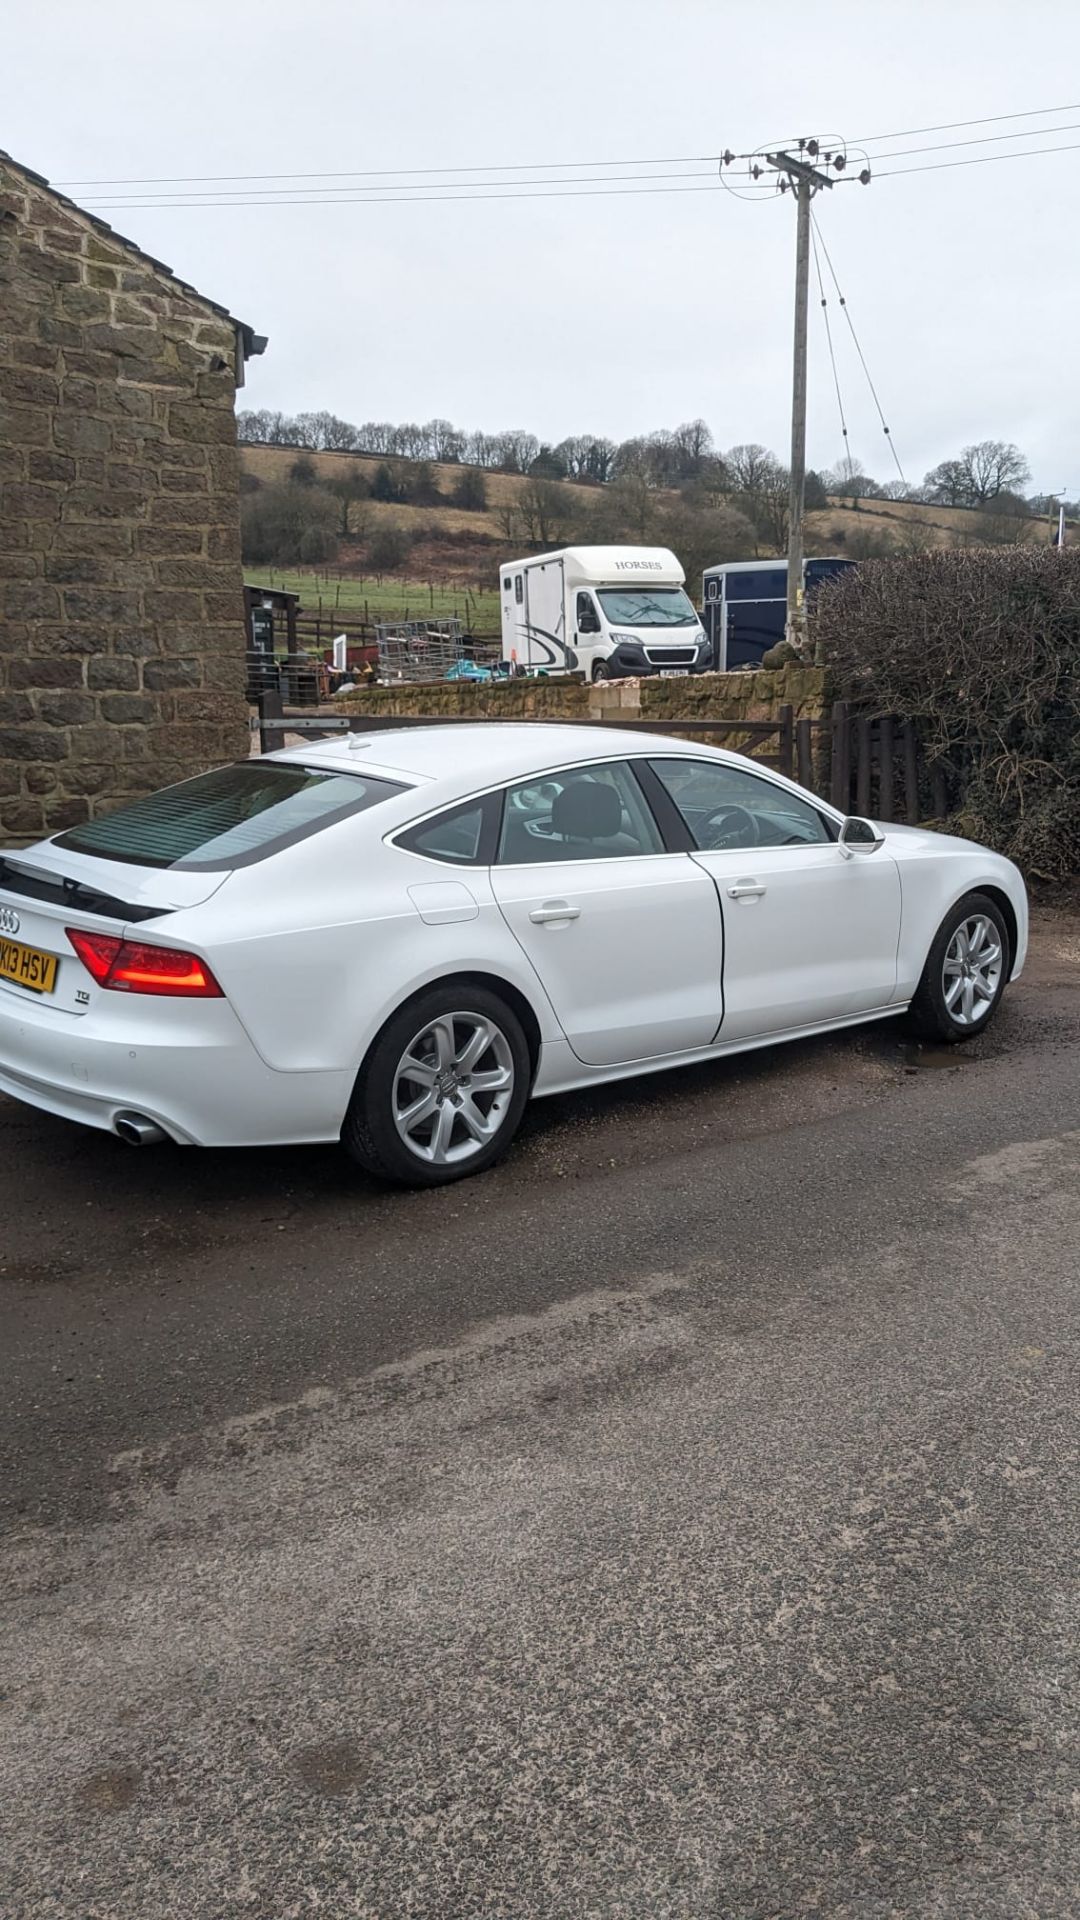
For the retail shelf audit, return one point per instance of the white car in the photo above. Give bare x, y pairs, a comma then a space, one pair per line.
395, 940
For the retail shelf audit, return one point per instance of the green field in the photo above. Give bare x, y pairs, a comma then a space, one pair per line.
375, 599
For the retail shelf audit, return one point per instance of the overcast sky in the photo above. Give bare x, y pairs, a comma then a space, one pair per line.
618, 314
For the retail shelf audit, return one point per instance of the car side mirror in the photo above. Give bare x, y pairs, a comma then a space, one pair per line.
859, 836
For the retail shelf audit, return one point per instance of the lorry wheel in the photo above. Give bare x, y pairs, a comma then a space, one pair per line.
599, 671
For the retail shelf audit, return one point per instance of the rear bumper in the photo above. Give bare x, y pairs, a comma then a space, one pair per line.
189, 1068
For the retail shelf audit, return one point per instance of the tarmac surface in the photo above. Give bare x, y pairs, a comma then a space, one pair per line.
678, 1523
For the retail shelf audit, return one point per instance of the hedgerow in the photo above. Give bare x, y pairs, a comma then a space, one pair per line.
981, 649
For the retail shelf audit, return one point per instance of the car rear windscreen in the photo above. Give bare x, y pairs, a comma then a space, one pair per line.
228, 818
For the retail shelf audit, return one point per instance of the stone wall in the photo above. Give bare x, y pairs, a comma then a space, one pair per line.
494, 700
121, 617
710, 696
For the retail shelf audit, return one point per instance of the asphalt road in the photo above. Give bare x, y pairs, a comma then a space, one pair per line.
680, 1523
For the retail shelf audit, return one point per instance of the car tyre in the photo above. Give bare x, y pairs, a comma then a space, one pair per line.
599, 672
965, 973
418, 1067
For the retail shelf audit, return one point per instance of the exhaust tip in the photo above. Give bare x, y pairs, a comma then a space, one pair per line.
137, 1130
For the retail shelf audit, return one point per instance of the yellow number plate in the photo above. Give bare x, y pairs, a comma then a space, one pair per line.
27, 967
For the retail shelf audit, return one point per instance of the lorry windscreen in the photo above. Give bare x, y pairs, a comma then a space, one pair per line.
647, 607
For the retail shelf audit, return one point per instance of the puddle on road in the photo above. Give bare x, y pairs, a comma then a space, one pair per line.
915, 1058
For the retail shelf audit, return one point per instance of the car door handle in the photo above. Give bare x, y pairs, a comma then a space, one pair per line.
554, 910
746, 890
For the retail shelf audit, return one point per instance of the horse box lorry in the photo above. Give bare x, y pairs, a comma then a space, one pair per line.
607, 612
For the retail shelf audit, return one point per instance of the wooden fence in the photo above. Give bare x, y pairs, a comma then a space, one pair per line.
316, 630
878, 769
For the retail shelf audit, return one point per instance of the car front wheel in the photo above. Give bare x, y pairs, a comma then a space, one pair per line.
965, 973
443, 1089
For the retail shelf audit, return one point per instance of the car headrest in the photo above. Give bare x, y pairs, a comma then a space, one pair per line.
587, 810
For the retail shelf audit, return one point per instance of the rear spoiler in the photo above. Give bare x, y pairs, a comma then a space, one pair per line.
33, 883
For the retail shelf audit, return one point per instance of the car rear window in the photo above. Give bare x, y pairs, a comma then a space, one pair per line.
228, 818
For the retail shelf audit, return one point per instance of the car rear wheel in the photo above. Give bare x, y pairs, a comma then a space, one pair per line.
965, 973
443, 1089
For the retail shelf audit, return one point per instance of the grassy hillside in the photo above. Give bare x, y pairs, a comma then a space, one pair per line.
455, 546
324, 590
452, 564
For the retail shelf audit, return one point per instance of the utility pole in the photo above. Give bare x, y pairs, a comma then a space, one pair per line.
804, 181
1057, 517
801, 176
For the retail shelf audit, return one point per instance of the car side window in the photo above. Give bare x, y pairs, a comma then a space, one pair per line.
456, 836
584, 813
726, 807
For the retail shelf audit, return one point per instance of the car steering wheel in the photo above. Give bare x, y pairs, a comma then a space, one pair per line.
731, 827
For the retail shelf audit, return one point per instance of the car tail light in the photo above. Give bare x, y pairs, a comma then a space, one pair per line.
127, 966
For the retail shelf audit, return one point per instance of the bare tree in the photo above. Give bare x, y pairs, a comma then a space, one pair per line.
573, 454
632, 457
546, 512
704, 537
760, 490
481, 450
627, 510
445, 442
599, 457
348, 488
978, 475
374, 436
516, 449
749, 467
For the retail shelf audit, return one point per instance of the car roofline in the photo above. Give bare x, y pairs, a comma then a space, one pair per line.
593, 741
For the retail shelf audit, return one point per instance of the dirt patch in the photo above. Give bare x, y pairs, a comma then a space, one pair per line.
109, 1789
332, 1767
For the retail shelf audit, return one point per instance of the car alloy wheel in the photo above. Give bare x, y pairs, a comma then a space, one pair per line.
971, 972
453, 1087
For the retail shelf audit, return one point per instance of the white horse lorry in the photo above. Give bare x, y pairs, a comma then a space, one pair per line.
607, 612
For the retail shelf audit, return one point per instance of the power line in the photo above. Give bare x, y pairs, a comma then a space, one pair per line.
858, 348
383, 200
954, 126
829, 338
420, 187
404, 193
682, 159
978, 160
982, 140
380, 173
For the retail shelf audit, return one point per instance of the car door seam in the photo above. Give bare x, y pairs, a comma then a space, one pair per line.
723, 939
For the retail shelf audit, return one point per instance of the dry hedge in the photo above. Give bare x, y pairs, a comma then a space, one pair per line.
981, 649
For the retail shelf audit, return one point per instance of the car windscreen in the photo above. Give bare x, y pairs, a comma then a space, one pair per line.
228, 818
647, 607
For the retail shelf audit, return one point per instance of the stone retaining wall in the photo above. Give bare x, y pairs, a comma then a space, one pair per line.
711, 696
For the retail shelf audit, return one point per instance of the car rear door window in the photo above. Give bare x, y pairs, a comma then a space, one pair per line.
594, 812
724, 806
228, 818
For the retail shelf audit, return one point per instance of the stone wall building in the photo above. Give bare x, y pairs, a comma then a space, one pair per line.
121, 613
